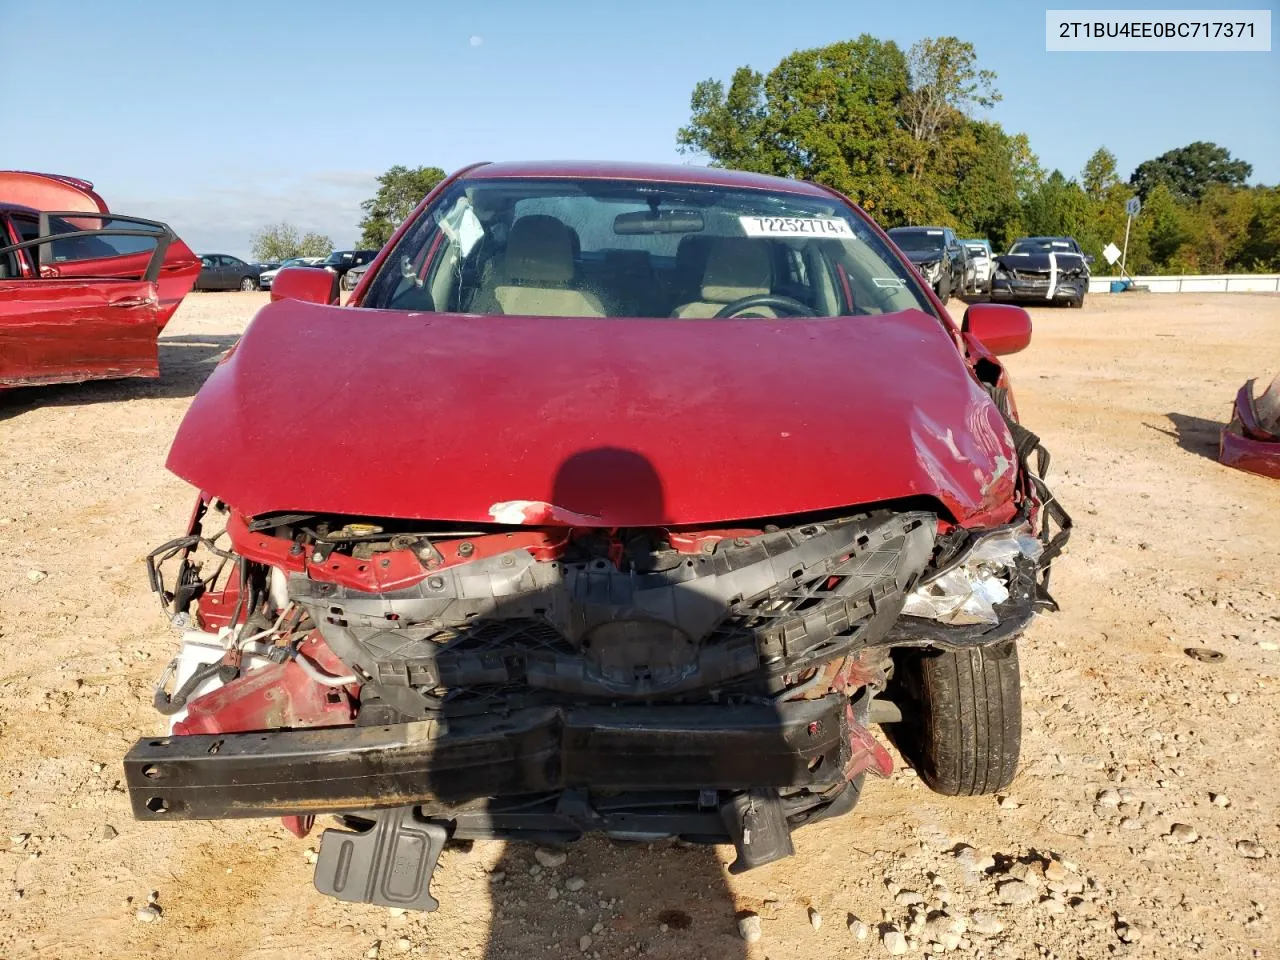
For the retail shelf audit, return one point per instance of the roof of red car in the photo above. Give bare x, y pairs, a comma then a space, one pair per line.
661, 172
49, 191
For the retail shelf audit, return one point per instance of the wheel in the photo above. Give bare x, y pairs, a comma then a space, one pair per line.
347, 284
944, 297
248, 283
962, 717
1078, 302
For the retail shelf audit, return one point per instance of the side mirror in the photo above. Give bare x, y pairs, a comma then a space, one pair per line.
305, 284
1088, 258
1000, 327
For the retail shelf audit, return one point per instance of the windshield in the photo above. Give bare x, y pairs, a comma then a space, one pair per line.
918, 241
1043, 245
334, 258
609, 248
976, 249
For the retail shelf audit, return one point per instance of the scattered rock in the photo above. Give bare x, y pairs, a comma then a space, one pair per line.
908, 898
35, 576
749, 928
973, 861
311, 856
552, 893
894, 942
397, 911
1055, 872
1127, 932
584, 943
550, 858
985, 924
858, 928
1016, 893
1008, 803
1054, 906
1219, 799
148, 914
815, 919
1130, 823
372, 952
574, 884
1251, 849
1183, 833
1108, 798
107, 832
1024, 872
498, 876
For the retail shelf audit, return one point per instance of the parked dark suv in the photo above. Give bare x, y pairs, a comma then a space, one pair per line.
340, 261
937, 254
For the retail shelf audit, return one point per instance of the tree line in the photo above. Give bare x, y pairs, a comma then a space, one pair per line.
895, 131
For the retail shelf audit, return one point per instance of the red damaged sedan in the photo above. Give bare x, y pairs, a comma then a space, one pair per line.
619, 498
84, 292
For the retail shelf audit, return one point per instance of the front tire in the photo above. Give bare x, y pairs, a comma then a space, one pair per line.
1078, 302
248, 284
944, 297
962, 722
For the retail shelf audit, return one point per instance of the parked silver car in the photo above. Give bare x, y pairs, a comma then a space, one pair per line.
980, 255
268, 276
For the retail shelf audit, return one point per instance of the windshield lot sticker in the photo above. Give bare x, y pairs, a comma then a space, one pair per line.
795, 226
888, 283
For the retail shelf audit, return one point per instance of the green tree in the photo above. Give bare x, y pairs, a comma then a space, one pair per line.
400, 189
1188, 171
944, 86
977, 179
831, 114
280, 241
1099, 174
1262, 249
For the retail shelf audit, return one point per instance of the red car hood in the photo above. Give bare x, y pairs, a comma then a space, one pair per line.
621, 422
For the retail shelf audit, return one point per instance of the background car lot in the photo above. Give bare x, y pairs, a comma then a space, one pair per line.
1112, 701
220, 271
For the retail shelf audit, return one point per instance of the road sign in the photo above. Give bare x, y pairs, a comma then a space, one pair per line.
1133, 206
1111, 252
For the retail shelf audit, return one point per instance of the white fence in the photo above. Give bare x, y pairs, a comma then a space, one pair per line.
1196, 283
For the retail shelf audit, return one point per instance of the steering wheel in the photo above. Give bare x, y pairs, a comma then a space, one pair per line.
793, 306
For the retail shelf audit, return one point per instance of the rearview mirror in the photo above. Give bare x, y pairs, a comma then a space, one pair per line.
1002, 328
657, 221
306, 284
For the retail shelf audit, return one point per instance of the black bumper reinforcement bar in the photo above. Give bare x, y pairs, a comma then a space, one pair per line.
349, 769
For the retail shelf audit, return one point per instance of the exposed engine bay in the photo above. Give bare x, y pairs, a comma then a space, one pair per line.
512, 681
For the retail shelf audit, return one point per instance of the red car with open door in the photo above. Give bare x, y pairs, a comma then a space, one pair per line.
84, 292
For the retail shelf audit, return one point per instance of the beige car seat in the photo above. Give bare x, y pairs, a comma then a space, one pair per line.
536, 275
737, 267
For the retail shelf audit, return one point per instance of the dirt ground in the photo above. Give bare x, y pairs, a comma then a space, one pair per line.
1126, 734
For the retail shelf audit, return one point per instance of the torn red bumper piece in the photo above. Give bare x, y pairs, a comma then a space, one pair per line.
1251, 441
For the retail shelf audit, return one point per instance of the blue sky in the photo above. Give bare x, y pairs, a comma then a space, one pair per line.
220, 117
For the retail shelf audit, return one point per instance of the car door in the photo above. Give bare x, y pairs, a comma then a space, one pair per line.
226, 268
81, 306
121, 254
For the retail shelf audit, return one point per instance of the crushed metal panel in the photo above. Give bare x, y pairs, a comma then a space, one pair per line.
1251, 441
